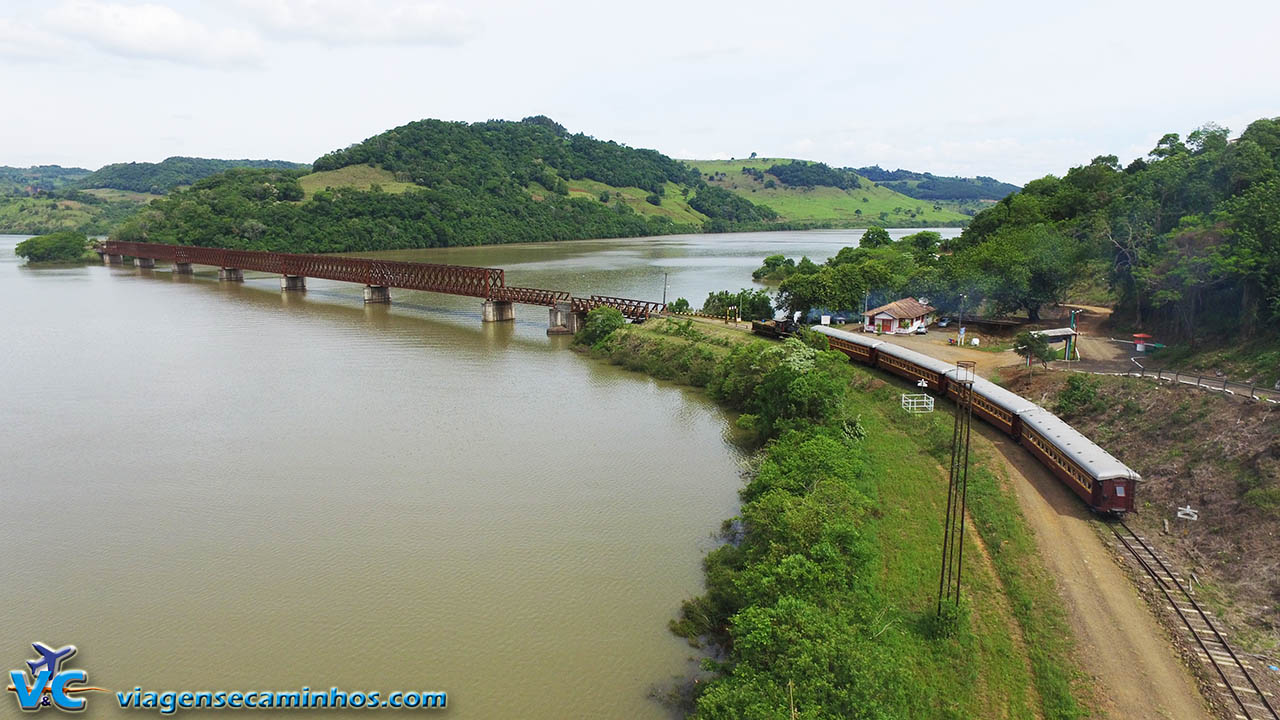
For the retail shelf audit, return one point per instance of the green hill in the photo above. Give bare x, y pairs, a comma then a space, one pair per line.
49, 198
432, 183
92, 212
172, 172
927, 186
813, 193
28, 181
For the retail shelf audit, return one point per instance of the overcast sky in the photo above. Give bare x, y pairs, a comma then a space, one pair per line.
1009, 89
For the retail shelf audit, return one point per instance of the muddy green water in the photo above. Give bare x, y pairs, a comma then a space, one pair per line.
211, 485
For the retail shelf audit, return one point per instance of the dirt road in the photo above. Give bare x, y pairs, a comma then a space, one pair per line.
1135, 670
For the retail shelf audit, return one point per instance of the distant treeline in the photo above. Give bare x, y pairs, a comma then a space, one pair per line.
927, 186
799, 173
161, 177
25, 181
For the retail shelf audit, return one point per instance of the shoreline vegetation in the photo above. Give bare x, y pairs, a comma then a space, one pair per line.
822, 601
61, 248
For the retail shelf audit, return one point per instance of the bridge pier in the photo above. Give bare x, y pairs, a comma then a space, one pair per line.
231, 274
113, 259
293, 282
498, 311
377, 294
563, 320
144, 262
181, 268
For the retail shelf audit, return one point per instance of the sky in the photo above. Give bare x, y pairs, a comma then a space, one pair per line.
1013, 90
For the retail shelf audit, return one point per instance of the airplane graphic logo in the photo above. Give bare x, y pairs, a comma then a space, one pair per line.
50, 658
49, 682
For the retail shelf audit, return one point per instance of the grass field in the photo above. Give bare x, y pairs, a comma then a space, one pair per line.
870, 204
673, 204
361, 177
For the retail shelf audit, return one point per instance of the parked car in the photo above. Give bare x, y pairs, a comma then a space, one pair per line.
943, 322
922, 330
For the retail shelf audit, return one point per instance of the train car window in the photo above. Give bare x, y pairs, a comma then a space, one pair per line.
1119, 491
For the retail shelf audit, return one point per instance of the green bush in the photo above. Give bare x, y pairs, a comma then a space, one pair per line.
679, 306
59, 247
601, 322
1079, 396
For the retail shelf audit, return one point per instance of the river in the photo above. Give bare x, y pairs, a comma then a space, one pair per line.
219, 486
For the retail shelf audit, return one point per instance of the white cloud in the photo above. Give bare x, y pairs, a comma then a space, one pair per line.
22, 40
342, 22
151, 31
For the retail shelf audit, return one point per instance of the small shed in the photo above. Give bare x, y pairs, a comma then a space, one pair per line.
902, 317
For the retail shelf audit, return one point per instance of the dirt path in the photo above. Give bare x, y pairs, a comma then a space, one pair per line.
1136, 672
934, 344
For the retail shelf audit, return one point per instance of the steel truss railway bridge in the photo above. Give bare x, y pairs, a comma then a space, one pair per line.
379, 276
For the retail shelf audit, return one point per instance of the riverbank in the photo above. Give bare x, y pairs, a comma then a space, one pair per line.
823, 599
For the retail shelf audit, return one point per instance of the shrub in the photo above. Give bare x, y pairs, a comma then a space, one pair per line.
680, 306
601, 322
59, 247
1079, 396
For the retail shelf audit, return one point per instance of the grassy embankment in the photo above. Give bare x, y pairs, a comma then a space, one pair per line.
1217, 454
828, 204
863, 482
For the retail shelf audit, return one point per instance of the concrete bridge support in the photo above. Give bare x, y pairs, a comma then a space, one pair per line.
563, 320
377, 294
181, 268
231, 274
293, 282
144, 262
498, 311
113, 259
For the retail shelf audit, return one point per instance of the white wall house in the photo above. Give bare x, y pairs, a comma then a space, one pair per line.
901, 317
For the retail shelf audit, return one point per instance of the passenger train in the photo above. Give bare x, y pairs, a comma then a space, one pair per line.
1103, 482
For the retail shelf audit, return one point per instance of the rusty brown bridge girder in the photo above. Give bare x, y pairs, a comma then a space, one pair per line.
481, 282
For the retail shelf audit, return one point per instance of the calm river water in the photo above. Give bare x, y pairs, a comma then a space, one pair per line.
211, 485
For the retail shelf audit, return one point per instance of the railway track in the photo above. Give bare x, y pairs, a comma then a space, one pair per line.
1233, 670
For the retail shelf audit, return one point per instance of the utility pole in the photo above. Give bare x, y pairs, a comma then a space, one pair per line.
960, 322
957, 489
664, 288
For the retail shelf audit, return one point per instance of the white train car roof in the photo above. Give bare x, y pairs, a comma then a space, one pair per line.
911, 356
847, 336
1100, 463
1002, 398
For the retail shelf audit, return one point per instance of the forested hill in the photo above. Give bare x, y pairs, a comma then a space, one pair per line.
40, 178
538, 150
1188, 237
159, 178
927, 186
433, 184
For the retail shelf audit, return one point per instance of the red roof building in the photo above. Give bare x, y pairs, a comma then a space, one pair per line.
903, 317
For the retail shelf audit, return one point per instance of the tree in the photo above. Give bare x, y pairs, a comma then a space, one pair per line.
601, 322
874, 237
1033, 347
680, 305
751, 304
61, 247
